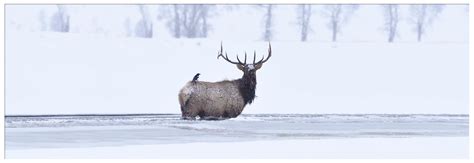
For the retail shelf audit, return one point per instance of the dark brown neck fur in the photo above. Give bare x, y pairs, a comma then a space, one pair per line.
247, 86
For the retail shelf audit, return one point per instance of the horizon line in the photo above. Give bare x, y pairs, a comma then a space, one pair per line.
150, 114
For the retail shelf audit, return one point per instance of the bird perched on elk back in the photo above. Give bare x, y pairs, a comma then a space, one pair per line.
223, 99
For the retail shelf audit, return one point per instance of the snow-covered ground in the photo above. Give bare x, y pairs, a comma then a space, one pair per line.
53, 73
95, 72
248, 136
358, 148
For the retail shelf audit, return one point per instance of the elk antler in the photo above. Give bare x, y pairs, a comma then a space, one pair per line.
245, 59
227, 58
262, 60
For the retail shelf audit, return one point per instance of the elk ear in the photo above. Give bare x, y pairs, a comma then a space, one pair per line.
258, 66
240, 67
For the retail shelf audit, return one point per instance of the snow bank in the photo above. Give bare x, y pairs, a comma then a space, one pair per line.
362, 148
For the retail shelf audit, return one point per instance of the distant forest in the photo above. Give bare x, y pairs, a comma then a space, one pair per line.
192, 21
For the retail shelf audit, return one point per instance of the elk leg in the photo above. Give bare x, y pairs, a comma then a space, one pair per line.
188, 118
188, 114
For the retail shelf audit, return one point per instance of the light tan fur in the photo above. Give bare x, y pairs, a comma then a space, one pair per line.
208, 100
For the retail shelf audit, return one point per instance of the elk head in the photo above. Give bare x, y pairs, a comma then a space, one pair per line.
247, 68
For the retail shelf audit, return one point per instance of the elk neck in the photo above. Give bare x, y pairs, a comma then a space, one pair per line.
247, 86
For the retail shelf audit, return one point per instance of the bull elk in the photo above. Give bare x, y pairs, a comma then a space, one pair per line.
223, 99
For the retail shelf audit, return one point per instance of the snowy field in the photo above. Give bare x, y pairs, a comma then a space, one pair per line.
80, 74
248, 136
85, 72
359, 97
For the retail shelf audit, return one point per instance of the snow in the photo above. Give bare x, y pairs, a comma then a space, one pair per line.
251, 67
51, 73
360, 148
405, 99
95, 69
248, 136
174, 119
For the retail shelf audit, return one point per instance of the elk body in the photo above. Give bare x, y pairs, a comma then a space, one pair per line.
223, 99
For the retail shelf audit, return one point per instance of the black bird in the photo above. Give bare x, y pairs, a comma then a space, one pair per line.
195, 78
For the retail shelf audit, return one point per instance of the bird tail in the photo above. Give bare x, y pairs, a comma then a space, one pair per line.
195, 78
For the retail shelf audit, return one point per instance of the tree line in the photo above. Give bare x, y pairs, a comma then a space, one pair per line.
192, 21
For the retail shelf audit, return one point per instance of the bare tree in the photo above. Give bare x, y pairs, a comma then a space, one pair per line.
189, 20
422, 16
391, 15
177, 22
42, 20
144, 27
338, 15
127, 26
304, 16
203, 16
268, 33
60, 20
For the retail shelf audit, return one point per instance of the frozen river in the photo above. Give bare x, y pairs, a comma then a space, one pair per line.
25, 133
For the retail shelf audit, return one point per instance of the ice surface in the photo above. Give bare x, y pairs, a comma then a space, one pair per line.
359, 148
119, 130
252, 136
